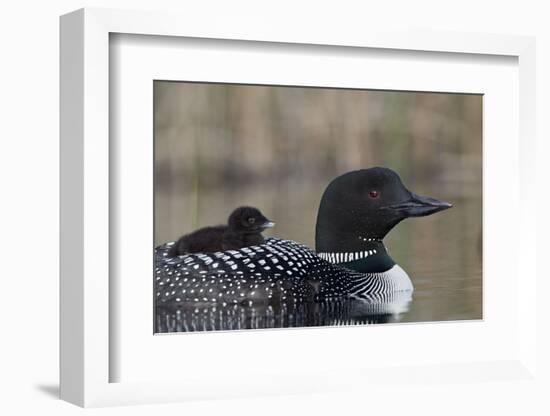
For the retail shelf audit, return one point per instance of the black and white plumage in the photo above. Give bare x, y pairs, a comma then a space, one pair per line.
357, 210
277, 271
274, 271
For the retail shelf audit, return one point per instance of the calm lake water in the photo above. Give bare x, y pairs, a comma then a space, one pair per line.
441, 253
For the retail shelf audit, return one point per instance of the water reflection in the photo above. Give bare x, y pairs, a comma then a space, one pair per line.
372, 310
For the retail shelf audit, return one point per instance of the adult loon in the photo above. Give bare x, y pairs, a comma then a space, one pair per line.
356, 212
244, 228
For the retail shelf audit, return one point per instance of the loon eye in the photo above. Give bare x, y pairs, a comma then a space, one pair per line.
251, 220
374, 194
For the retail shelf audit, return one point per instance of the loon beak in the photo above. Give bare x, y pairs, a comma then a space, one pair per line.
419, 206
268, 224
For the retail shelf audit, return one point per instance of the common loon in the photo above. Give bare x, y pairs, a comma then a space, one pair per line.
356, 212
244, 228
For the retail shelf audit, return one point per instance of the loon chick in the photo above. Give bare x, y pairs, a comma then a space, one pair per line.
244, 228
357, 210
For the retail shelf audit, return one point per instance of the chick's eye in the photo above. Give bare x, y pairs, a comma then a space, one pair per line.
374, 194
251, 220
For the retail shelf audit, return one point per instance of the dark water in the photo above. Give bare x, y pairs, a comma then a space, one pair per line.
441, 253
344, 312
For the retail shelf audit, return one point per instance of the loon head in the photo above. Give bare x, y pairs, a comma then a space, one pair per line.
248, 220
363, 206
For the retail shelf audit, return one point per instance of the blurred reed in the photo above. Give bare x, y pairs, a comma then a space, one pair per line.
218, 146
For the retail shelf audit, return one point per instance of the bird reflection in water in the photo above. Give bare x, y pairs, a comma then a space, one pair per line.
380, 309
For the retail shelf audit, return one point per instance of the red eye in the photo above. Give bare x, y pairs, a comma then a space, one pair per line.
374, 194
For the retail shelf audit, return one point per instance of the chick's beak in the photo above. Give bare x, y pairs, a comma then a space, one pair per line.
268, 224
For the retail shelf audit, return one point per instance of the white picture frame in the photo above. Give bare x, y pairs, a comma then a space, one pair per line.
87, 355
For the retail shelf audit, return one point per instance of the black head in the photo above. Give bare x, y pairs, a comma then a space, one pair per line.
248, 220
366, 204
